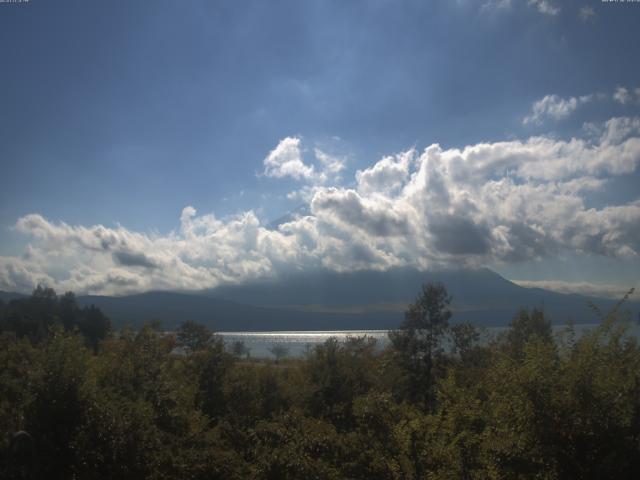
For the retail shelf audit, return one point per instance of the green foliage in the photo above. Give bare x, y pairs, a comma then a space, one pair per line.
193, 336
296, 447
524, 327
417, 343
59, 405
253, 393
338, 374
148, 405
279, 352
380, 445
464, 337
239, 349
37, 317
211, 366
18, 372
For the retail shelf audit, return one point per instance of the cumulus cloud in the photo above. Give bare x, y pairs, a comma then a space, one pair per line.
286, 160
488, 202
555, 108
133, 259
331, 165
387, 175
19, 275
622, 96
627, 96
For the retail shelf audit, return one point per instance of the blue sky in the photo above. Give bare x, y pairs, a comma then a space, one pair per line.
117, 115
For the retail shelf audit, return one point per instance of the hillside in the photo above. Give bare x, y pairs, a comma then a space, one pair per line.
361, 300
333, 301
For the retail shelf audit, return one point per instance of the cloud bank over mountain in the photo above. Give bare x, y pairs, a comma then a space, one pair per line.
504, 201
615, 292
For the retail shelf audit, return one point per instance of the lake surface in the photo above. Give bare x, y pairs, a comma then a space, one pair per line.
297, 343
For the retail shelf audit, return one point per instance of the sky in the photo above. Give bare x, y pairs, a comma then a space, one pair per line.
183, 145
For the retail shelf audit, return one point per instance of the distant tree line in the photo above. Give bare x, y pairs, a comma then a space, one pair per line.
80, 401
36, 317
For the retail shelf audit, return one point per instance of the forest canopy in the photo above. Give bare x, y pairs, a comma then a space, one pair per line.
79, 400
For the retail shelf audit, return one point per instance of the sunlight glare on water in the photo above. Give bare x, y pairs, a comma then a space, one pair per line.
297, 343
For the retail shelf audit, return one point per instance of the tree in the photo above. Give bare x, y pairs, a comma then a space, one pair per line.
94, 325
36, 317
417, 342
239, 349
339, 373
59, 405
45, 295
193, 336
212, 365
525, 327
464, 337
279, 351
68, 310
32, 317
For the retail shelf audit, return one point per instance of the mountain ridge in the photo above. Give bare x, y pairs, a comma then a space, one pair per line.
342, 301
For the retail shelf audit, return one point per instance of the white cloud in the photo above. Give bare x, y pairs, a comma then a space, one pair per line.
491, 5
20, 275
286, 161
331, 165
622, 96
581, 288
586, 13
626, 96
555, 108
545, 6
485, 203
302, 195
387, 175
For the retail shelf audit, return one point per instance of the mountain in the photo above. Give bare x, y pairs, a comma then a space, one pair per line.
367, 287
344, 301
479, 296
8, 296
219, 314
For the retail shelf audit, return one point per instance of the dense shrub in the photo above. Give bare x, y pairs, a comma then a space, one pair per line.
148, 405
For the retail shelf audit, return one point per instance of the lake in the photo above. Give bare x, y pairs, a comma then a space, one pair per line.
297, 343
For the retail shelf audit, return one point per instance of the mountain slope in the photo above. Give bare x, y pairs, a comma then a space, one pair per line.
219, 314
343, 301
8, 296
480, 296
